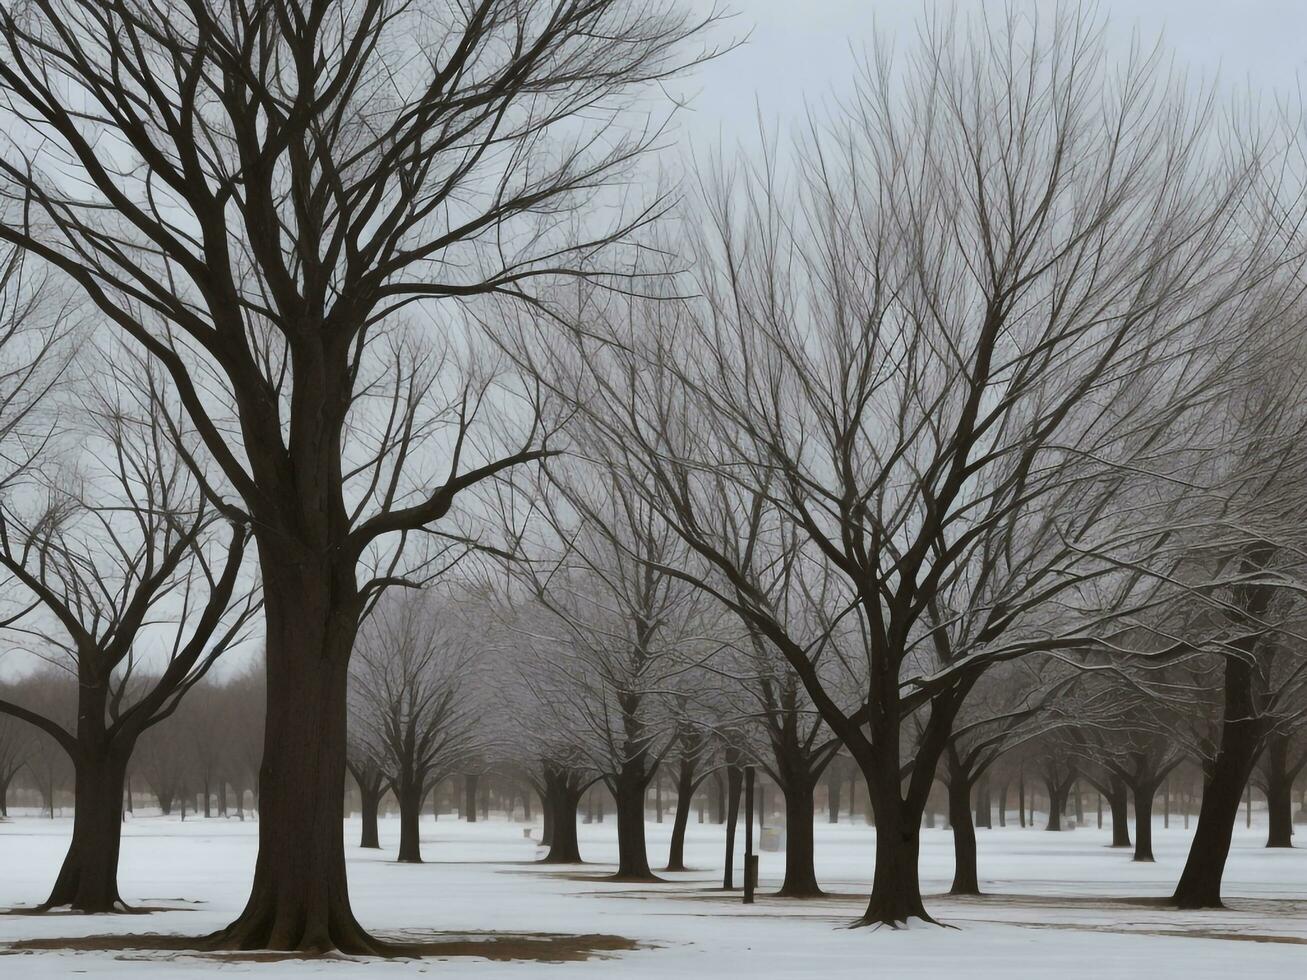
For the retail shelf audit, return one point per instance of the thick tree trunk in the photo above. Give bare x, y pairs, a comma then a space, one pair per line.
1118, 802
684, 797
88, 878
800, 872
369, 802
300, 897
632, 855
410, 823
965, 877
560, 802
734, 784
1200, 882
896, 886
1144, 822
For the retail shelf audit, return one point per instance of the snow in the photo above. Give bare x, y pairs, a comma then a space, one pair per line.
1051, 911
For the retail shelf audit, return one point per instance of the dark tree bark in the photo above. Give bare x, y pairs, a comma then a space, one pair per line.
984, 804
629, 787
834, 782
1199, 886
685, 786
1277, 783
371, 786
562, 796
88, 877
965, 877
470, 798
734, 786
409, 797
1118, 802
1143, 824
800, 871
1242, 732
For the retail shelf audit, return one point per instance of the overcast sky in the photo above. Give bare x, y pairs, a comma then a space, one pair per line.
799, 48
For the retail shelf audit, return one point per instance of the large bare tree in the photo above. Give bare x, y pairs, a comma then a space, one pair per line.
251, 193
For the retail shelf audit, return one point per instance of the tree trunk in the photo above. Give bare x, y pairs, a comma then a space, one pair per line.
369, 801
1021, 796
833, 784
965, 878
547, 818
410, 822
984, 804
1118, 802
1144, 822
560, 802
1057, 800
896, 885
684, 797
632, 856
88, 878
300, 897
800, 873
1279, 792
470, 798
734, 783
1200, 882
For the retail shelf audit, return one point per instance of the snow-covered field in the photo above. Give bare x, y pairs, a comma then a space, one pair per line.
1053, 906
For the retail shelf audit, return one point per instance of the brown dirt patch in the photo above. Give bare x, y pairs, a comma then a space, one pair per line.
541, 947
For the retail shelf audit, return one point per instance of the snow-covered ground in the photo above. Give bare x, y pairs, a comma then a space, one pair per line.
1052, 908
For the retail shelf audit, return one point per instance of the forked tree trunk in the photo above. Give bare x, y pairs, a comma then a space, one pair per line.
300, 897
800, 873
88, 877
1200, 882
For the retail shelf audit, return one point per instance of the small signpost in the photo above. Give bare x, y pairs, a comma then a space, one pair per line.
750, 859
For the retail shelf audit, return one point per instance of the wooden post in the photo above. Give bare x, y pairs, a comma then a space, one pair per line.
750, 861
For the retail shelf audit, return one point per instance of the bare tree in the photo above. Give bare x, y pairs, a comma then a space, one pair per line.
125, 577
411, 679
251, 194
15, 748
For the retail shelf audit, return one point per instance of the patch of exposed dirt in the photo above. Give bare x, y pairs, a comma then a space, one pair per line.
539, 947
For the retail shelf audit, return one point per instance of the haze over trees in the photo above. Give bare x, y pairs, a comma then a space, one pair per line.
948, 449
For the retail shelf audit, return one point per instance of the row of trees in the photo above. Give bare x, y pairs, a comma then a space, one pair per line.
973, 415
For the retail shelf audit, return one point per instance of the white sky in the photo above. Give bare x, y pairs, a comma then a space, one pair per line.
801, 49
